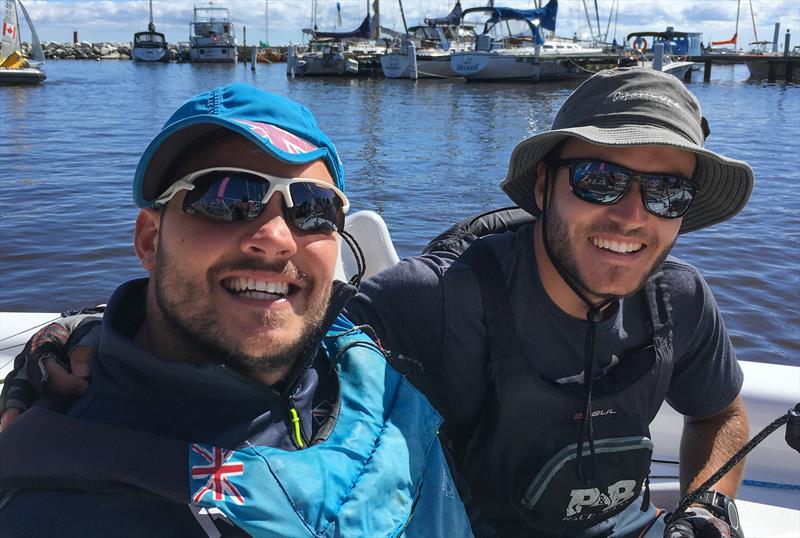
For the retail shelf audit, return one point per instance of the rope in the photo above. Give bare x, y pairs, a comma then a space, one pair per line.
570, 60
732, 462
24, 331
433, 75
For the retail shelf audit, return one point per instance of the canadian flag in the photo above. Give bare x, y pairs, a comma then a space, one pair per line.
9, 29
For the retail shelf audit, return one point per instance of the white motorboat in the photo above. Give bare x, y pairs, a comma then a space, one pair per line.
677, 47
211, 35
769, 499
433, 44
150, 46
512, 46
14, 67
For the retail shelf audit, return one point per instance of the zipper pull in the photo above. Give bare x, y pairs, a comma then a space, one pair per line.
295, 418
646, 496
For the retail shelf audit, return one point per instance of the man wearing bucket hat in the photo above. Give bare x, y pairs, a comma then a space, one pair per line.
550, 347
229, 395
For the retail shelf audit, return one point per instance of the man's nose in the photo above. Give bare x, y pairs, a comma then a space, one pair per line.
270, 235
629, 210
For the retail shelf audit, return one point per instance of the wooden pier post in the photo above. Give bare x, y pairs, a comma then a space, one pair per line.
253, 58
772, 68
707, 71
244, 50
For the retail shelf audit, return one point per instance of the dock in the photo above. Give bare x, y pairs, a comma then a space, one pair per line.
776, 67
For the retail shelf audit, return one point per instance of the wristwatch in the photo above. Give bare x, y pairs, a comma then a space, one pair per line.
720, 506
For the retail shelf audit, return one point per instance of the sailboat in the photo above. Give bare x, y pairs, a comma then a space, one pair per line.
14, 67
150, 46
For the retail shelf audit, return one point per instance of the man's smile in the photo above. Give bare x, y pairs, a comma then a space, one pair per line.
620, 247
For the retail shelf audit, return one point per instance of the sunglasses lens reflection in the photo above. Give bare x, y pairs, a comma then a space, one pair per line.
231, 196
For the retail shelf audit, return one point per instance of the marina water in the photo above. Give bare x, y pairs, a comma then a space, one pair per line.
422, 155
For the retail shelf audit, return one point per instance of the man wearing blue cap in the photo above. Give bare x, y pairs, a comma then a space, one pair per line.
229, 395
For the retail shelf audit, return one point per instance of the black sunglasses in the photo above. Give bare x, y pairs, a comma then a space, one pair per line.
237, 194
599, 182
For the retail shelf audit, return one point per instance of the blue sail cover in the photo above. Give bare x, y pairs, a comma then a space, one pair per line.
546, 17
451, 20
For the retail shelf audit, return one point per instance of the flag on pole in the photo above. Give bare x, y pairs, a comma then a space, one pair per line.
339, 14
731, 41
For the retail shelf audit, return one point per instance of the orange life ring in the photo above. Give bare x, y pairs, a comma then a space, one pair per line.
640, 43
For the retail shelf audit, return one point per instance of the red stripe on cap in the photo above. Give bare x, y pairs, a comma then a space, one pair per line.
283, 140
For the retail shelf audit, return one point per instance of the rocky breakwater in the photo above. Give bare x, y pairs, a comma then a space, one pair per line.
89, 51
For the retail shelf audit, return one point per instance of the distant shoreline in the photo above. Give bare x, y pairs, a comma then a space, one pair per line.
84, 50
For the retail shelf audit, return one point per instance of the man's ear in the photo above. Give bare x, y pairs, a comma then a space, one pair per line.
145, 237
541, 170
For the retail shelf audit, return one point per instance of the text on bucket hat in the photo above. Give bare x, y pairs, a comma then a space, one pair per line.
637, 107
281, 127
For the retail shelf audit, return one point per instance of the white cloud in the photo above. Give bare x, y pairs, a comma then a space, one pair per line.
116, 20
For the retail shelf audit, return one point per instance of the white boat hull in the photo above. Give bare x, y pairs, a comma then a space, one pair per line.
522, 64
149, 54
311, 65
212, 53
767, 511
759, 69
678, 69
21, 75
396, 65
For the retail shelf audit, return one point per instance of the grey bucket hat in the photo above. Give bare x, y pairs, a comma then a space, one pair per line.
637, 107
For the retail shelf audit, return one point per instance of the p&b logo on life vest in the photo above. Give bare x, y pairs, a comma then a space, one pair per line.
585, 504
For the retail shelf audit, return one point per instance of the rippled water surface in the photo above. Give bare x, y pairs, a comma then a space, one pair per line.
423, 155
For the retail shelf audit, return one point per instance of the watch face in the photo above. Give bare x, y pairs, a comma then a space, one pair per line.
733, 515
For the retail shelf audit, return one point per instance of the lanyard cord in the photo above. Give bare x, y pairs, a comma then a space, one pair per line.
593, 316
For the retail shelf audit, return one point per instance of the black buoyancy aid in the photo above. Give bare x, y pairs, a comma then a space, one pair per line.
520, 456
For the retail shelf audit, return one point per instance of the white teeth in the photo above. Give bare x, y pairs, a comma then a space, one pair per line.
250, 287
616, 246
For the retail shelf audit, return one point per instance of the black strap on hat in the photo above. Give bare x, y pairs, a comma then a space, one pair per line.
593, 317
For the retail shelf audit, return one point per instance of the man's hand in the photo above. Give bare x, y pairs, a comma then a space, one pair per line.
700, 523
56, 360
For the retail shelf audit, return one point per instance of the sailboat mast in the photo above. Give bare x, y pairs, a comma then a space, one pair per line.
151, 27
588, 19
266, 22
736, 33
403, 15
753, 16
597, 15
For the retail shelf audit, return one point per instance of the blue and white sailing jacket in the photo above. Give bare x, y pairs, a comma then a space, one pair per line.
346, 447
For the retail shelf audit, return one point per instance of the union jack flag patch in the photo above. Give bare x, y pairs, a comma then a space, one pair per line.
214, 470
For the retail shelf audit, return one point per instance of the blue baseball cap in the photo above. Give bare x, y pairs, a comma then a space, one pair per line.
284, 129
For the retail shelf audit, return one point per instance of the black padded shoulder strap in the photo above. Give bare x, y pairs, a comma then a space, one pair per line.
47, 450
497, 316
457, 239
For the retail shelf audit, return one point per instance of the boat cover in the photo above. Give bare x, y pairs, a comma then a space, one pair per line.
546, 17
362, 32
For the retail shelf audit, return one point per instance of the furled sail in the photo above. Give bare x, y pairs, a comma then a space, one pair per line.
450, 20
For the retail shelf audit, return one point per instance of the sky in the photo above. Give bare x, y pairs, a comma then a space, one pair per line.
117, 20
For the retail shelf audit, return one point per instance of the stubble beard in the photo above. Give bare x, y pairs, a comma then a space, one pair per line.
196, 328
562, 247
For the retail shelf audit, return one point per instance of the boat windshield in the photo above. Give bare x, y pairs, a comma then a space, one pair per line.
148, 39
